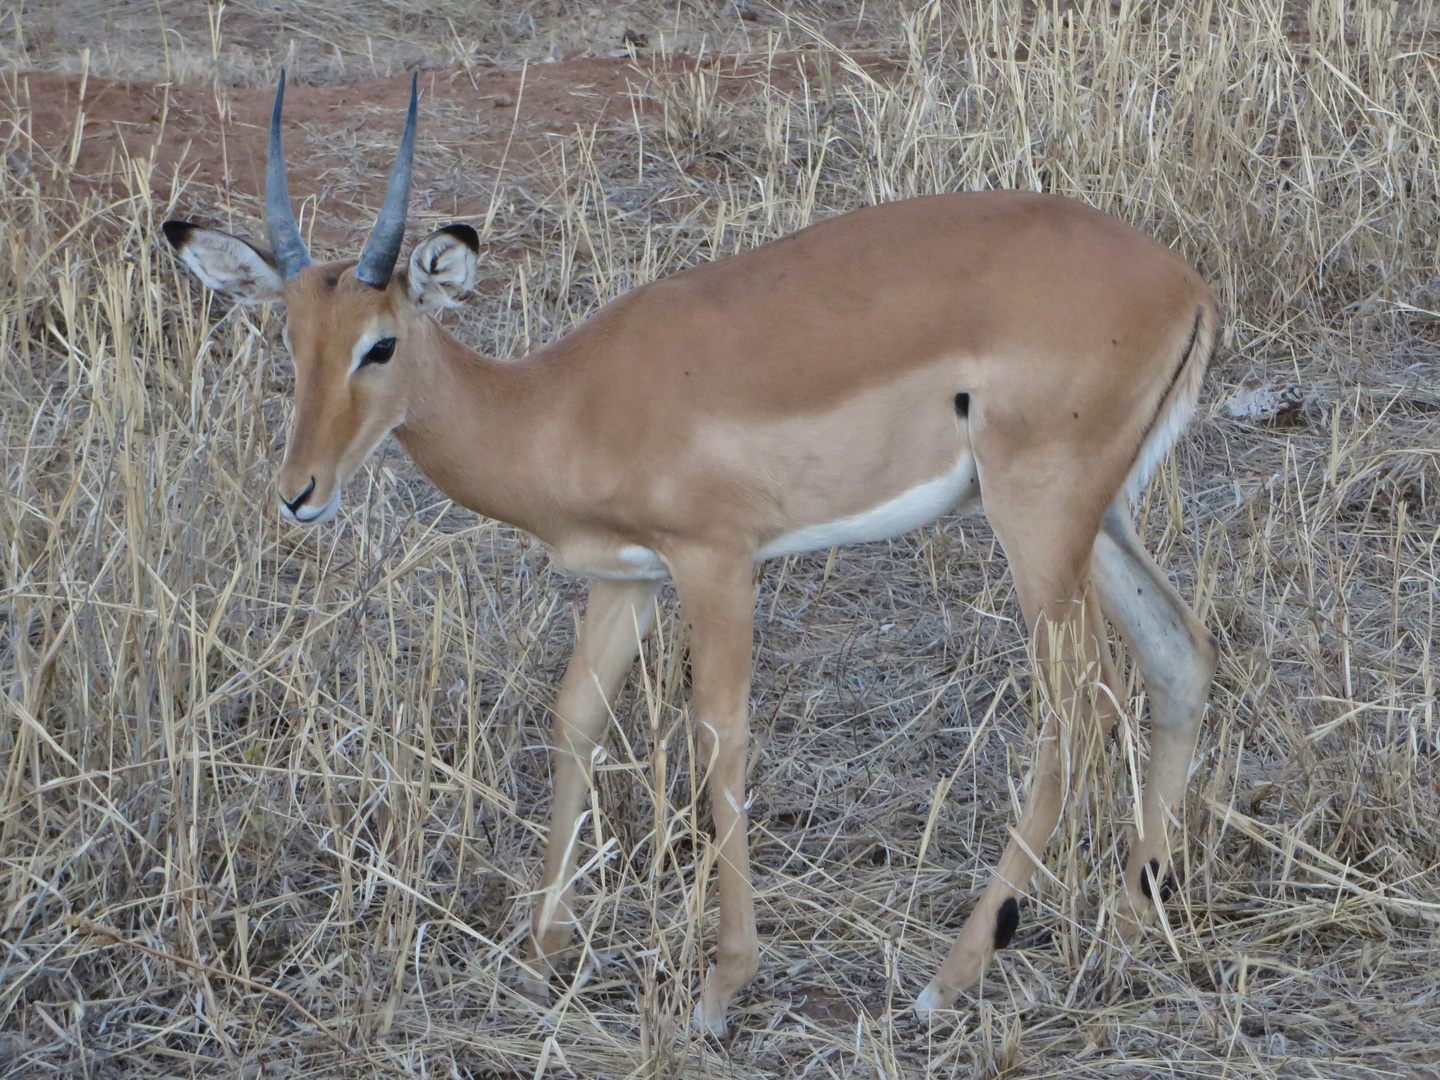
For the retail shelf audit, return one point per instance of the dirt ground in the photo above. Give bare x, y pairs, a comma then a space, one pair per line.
209, 143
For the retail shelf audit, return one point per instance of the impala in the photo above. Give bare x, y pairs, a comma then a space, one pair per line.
1016, 352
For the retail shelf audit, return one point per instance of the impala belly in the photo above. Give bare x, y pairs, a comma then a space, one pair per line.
911, 509
595, 558
919, 506
893, 460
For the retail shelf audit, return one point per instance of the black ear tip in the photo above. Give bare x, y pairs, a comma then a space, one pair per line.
177, 232
465, 234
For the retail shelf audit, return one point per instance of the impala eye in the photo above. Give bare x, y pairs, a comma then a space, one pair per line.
380, 352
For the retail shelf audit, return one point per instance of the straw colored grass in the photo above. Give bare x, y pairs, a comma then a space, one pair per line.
272, 799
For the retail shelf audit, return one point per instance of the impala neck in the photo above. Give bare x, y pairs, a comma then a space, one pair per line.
473, 426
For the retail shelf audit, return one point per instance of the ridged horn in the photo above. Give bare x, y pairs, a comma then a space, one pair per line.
377, 261
291, 255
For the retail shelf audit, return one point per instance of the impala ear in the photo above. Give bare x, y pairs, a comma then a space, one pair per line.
226, 263
442, 267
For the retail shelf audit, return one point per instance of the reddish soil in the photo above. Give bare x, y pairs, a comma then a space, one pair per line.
340, 139
197, 131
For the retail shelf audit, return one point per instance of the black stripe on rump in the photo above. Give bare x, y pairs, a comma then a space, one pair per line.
1175, 378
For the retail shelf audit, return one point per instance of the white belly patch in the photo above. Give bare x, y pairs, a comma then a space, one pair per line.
910, 510
919, 506
647, 564
628, 563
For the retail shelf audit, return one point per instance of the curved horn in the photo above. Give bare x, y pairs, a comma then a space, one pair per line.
377, 261
285, 240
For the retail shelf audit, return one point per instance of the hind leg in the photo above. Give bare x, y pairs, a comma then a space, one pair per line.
1050, 565
1177, 657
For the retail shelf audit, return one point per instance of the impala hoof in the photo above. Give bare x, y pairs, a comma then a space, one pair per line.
937, 997
533, 986
715, 1001
1134, 914
709, 1019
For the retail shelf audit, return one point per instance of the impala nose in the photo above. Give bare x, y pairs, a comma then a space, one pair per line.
294, 505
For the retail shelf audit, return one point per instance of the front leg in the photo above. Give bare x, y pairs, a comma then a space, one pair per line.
616, 618
717, 596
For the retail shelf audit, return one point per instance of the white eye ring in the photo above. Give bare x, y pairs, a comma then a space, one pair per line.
379, 353
363, 347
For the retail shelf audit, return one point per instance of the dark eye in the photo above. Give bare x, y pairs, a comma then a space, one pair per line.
380, 352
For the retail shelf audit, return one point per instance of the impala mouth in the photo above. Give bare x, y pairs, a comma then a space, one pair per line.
310, 514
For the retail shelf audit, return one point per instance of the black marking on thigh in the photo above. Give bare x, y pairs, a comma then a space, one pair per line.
1006, 921
1184, 358
962, 404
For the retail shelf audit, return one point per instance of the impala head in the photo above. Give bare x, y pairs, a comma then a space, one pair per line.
347, 325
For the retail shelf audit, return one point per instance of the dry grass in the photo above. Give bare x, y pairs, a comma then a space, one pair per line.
267, 791
241, 40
